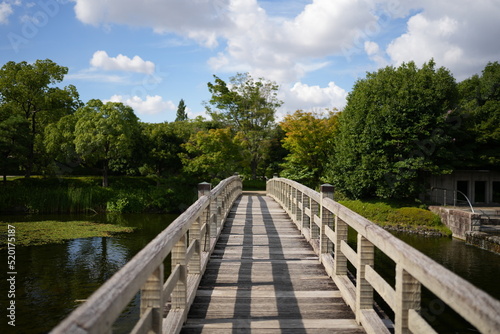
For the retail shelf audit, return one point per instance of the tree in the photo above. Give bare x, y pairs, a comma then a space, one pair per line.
309, 138
14, 130
480, 112
396, 127
163, 147
105, 133
59, 141
248, 107
212, 154
181, 112
28, 89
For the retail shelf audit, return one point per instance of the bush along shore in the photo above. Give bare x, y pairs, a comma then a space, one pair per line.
400, 217
84, 194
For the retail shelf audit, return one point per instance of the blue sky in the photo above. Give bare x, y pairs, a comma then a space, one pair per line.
150, 54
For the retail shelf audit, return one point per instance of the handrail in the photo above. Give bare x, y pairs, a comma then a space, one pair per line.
455, 201
324, 223
183, 239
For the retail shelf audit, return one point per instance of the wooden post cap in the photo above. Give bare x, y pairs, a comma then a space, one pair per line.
204, 186
327, 188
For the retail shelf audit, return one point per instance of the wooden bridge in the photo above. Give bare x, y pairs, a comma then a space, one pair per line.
276, 264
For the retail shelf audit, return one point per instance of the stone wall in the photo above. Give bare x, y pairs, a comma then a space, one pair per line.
459, 222
483, 240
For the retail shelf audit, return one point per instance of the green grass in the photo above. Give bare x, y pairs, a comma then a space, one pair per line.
399, 215
85, 194
54, 232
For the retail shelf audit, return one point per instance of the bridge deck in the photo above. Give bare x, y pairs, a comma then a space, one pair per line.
264, 277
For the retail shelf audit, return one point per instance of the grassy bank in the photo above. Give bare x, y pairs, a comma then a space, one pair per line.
84, 194
399, 216
53, 232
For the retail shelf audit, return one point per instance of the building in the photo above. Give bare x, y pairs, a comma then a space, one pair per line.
480, 187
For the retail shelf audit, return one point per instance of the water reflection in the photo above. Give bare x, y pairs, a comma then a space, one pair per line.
53, 279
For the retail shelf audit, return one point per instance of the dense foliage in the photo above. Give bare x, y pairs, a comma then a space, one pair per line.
394, 129
400, 124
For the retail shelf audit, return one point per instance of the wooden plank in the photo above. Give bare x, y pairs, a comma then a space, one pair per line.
381, 286
263, 275
418, 325
349, 253
372, 322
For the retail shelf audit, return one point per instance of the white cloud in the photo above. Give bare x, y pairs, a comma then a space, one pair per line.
152, 105
197, 19
460, 35
374, 52
279, 49
101, 60
5, 12
89, 75
305, 97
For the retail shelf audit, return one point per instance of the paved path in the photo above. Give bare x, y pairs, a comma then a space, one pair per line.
264, 277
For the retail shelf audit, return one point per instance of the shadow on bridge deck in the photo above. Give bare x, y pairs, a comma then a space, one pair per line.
264, 277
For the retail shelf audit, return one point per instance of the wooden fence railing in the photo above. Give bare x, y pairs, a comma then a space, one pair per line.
325, 222
190, 240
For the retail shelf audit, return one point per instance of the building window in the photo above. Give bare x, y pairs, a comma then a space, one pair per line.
480, 192
463, 188
496, 191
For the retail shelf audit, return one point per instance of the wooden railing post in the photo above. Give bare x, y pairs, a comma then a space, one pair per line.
218, 216
364, 291
326, 220
305, 218
204, 190
179, 295
194, 234
339, 260
407, 297
151, 298
293, 211
315, 210
298, 215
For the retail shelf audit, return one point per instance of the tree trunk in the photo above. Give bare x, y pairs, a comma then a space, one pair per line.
253, 164
105, 168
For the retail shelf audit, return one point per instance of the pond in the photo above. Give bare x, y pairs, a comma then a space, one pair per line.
52, 280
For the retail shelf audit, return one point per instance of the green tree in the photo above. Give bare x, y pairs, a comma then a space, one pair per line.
247, 106
212, 154
395, 128
309, 138
480, 112
29, 89
14, 130
59, 141
164, 142
181, 112
104, 133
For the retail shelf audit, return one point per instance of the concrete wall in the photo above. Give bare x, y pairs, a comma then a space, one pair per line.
460, 222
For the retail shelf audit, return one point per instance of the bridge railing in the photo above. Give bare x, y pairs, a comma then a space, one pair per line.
325, 223
190, 240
